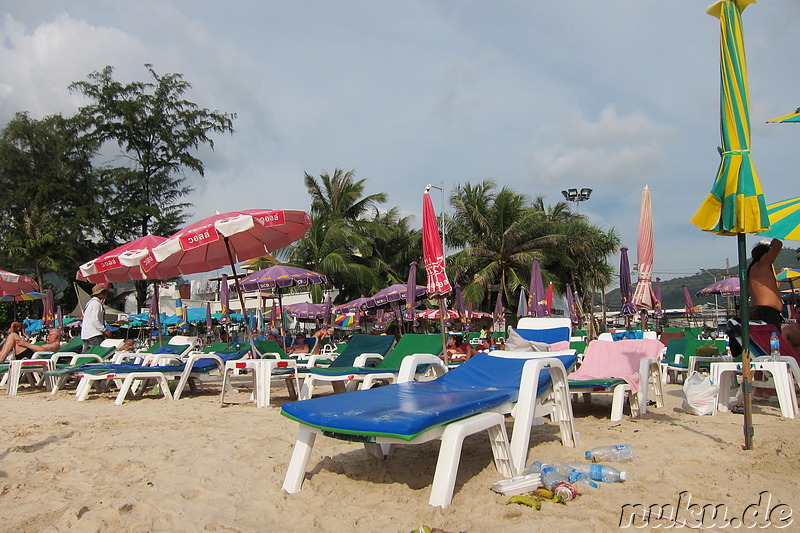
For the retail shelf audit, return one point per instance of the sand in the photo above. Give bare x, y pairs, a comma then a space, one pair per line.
192, 465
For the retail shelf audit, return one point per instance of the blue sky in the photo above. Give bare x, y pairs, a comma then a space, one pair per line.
537, 96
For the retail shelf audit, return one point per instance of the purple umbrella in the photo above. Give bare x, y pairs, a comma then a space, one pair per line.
573, 313
628, 309
393, 293
326, 317
353, 306
305, 310
498, 311
224, 300
59, 317
209, 323
154, 320
409, 314
537, 299
380, 323
48, 314
659, 310
724, 287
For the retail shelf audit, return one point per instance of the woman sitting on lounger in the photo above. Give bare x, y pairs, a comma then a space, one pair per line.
458, 350
23, 349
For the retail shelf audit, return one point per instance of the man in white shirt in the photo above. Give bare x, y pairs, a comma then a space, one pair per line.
93, 329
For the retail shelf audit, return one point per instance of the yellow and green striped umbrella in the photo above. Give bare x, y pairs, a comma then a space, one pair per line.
735, 204
791, 117
784, 220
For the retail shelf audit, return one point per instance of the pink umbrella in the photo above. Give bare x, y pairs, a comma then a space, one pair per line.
537, 299
549, 298
643, 297
433, 257
125, 263
687, 300
223, 239
573, 313
15, 284
48, 315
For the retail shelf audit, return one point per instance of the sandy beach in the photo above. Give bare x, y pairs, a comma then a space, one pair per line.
192, 465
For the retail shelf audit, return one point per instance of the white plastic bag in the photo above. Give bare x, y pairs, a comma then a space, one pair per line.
700, 395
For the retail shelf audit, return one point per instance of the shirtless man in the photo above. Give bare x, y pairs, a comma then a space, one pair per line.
791, 331
765, 298
23, 349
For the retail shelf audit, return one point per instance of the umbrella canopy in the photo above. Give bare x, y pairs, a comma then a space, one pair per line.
49, 312
784, 220
306, 310
124, 263
432, 251
393, 293
537, 298
280, 276
724, 287
791, 117
353, 306
627, 309
15, 284
788, 274
436, 314
573, 312
735, 205
22, 297
643, 297
687, 302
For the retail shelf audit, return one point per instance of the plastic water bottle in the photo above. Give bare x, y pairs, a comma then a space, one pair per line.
573, 475
775, 347
551, 479
619, 452
604, 473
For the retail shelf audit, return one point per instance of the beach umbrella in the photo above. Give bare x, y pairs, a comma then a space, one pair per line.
537, 299
393, 293
644, 297
326, 317
784, 220
788, 274
59, 317
14, 284
209, 321
49, 312
687, 301
522, 306
305, 310
359, 304
499, 312
627, 309
438, 286
125, 263
549, 297
573, 313
436, 314
154, 319
460, 308
224, 300
380, 320
724, 287
735, 205
21, 297
223, 239
788, 119
659, 310
411, 300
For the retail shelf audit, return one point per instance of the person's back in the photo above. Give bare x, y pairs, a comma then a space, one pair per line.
765, 298
791, 332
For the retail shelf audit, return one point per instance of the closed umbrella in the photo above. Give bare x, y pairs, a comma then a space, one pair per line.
326, 317
537, 299
499, 312
735, 205
49, 315
573, 313
627, 309
59, 317
411, 300
687, 302
643, 297
154, 319
209, 321
438, 286
522, 306
224, 300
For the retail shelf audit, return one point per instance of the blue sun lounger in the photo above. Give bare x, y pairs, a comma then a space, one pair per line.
469, 399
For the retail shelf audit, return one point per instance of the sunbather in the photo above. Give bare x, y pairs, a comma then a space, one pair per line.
458, 350
299, 346
23, 349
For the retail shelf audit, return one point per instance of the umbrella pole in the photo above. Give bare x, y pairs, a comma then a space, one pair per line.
158, 317
747, 387
444, 335
238, 290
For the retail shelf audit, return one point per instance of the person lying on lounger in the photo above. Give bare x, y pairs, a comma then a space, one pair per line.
23, 349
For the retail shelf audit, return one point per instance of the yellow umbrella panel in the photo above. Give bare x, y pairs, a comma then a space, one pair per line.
784, 220
791, 117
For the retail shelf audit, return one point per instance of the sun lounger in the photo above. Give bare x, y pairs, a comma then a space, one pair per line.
623, 368
469, 399
684, 356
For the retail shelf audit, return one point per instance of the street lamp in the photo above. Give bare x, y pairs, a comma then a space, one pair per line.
572, 195
716, 306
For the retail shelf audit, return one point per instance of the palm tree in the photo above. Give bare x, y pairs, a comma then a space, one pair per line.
341, 196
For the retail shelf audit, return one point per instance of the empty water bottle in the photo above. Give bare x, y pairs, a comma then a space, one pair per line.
573, 475
551, 479
604, 473
619, 452
775, 347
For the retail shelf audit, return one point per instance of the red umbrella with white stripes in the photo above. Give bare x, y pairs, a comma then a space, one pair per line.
16, 284
126, 262
644, 297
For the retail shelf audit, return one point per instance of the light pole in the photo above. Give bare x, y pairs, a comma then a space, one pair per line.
572, 195
716, 307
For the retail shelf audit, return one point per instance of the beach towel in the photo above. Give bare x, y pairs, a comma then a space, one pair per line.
616, 359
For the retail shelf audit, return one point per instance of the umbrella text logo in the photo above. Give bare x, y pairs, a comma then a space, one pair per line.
684, 513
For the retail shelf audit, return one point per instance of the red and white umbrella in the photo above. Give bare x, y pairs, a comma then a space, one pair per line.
644, 297
436, 314
132, 260
15, 284
432, 251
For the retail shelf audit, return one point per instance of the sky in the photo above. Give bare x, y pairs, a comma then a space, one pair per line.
538, 96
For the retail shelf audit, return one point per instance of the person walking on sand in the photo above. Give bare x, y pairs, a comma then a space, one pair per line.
765, 297
23, 349
93, 328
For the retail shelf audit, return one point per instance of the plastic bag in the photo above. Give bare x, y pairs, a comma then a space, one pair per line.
700, 395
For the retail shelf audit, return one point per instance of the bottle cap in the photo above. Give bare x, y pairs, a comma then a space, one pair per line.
623, 476
588, 455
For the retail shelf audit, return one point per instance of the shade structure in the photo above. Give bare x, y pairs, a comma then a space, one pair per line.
793, 117
209, 321
280, 276
537, 297
59, 317
687, 302
735, 205
21, 297
305, 310
432, 251
49, 311
126, 262
625, 293
788, 274
393, 293
724, 287
784, 220
359, 304
326, 318
644, 298
15, 284
573, 312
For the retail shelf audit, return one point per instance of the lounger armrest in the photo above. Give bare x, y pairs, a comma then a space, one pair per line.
695, 359
364, 358
77, 356
193, 357
311, 359
408, 368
